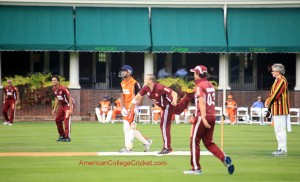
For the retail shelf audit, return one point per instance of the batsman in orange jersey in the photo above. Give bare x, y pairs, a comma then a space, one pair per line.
130, 87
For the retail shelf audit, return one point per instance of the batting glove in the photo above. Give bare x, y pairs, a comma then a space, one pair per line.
124, 112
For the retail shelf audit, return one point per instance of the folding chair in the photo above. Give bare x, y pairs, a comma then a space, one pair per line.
255, 116
178, 117
294, 114
190, 112
242, 115
218, 114
144, 114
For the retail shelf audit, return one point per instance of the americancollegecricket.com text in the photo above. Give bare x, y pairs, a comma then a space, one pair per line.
123, 163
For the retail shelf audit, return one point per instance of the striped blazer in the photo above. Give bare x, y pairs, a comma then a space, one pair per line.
279, 97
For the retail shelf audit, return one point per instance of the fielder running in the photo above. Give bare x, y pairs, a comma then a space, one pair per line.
129, 89
10, 100
63, 107
165, 98
204, 122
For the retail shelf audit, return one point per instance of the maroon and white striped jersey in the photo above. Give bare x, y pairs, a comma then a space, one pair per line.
205, 89
161, 95
62, 93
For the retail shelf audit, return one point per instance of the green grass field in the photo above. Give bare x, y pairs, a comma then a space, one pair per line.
249, 146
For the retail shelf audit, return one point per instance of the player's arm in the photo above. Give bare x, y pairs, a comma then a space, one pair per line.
69, 97
202, 105
4, 95
175, 97
55, 107
278, 90
136, 99
137, 88
18, 96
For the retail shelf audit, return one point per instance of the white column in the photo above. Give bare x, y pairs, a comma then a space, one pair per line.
46, 62
224, 72
1, 86
74, 70
61, 63
148, 63
297, 86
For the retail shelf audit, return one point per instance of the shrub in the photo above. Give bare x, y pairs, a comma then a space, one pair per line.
35, 88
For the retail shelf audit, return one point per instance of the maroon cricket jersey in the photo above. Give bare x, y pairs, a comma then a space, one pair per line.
161, 95
11, 92
62, 94
205, 89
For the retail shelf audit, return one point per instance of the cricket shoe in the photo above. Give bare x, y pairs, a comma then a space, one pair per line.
6, 123
147, 146
124, 150
60, 138
193, 172
10, 124
165, 151
66, 139
228, 164
279, 153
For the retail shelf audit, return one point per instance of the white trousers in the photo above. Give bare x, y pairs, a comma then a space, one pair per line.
130, 134
280, 122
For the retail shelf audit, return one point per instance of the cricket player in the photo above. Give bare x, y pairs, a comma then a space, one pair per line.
103, 112
63, 108
116, 109
165, 98
129, 89
204, 122
10, 100
231, 108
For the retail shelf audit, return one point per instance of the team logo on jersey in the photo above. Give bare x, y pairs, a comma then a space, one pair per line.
60, 92
148, 93
156, 95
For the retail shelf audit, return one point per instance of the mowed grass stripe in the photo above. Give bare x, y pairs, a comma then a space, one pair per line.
250, 147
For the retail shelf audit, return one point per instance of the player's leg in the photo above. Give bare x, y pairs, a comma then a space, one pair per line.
138, 135
128, 137
12, 112
97, 111
59, 123
109, 115
67, 122
208, 139
195, 148
165, 126
280, 132
102, 116
195, 144
213, 148
5, 109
